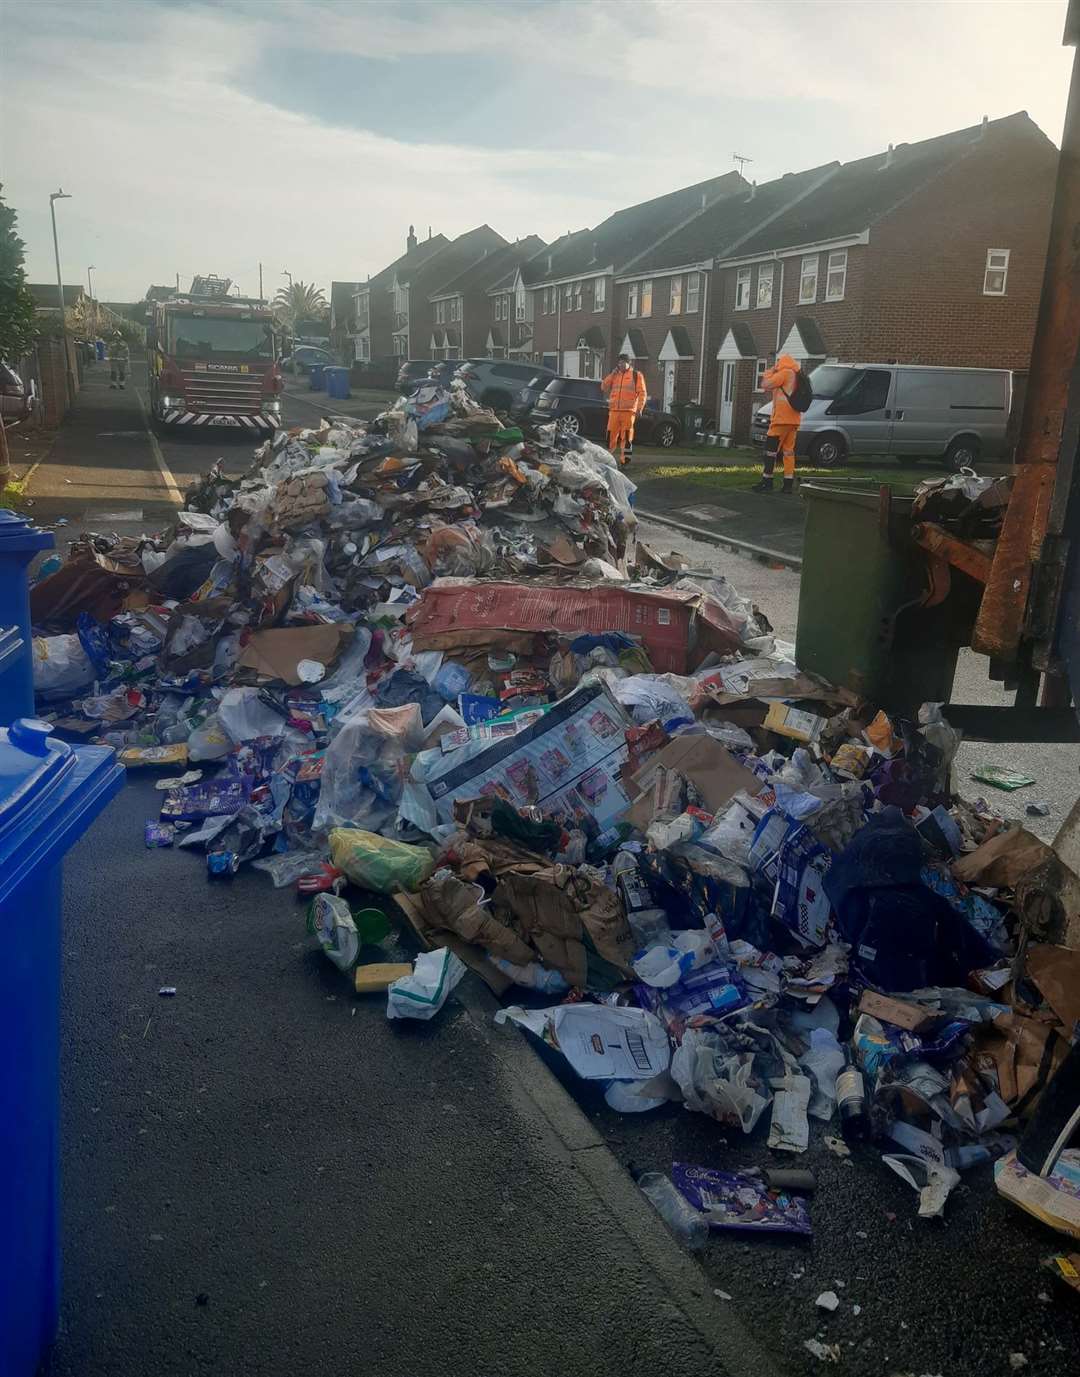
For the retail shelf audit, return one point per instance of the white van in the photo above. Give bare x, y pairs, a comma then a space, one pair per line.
960, 415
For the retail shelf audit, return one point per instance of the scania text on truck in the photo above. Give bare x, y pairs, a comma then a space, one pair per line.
214, 362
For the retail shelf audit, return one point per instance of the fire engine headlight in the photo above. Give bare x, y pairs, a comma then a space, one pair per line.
170, 403
272, 407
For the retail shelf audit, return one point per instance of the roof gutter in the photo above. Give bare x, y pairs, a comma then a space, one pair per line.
644, 276
793, 250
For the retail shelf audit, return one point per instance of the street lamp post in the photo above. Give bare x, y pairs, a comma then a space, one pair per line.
55, 196
93, 303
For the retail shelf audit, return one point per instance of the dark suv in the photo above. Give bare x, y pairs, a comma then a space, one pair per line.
497, 382
579, 406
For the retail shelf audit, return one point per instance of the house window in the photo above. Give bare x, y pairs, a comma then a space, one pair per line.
764, 284
454, 305
577, 295
675, 307
997, 270
440, 313
646, 298
568, 296
599, 295
836, 275
401, 346
520, 304
632, 299
693, 292
808, 280
742, 289
759, 372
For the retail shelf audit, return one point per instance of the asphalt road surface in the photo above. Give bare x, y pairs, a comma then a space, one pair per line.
264, 1176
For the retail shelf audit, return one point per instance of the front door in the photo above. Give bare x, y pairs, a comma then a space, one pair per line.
570, 363
727, 398
669, 386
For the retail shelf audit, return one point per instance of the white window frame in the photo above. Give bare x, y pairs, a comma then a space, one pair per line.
440, 313
577, 295
836, 267
766, 274
521, 305
568, 297
675, 302
692, 295
599, 296
646, 297
808, 273
742, 289
454, 311
1001, 267
761, 367
632, 298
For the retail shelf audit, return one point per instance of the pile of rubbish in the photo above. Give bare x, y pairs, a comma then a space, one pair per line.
427, 658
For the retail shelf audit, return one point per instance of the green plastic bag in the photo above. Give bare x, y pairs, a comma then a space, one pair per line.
1001, 778
375, 862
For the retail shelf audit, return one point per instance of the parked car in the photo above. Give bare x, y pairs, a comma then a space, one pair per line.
414, 371
496, 382
525, 397
302, 358
960, 415
17, 399
579, 406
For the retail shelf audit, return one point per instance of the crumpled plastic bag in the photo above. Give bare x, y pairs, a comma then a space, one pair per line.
719, 1082
245, 716
62, 667
379, 863
210, 741
422, 994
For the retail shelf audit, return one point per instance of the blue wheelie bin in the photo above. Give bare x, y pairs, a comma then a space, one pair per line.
337, 383
315, 377
50, 793
19, 543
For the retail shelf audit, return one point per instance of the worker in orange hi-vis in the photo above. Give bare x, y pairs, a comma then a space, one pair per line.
781, 379
626, 394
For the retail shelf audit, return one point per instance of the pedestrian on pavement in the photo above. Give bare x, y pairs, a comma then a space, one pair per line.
781, 379
119, 359
626, 394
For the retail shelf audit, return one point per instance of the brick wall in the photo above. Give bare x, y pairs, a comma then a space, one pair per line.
925, 296
549, 335
654, 329
54, 405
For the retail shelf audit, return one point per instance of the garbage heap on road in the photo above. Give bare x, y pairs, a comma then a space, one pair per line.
427, 658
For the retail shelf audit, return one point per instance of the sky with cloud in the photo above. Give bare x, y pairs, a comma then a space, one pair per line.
205, 135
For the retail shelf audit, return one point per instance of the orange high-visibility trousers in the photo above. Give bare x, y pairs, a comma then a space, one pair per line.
780, 440
620, 428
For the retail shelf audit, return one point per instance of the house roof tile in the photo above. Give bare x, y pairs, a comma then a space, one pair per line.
494, 266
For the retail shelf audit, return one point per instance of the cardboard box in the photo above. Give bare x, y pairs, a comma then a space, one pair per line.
447, 614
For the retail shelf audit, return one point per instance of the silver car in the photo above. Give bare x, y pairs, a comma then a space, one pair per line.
960, 415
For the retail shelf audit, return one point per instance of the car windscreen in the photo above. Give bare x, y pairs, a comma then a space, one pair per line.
830, 379
573, 387
197, 337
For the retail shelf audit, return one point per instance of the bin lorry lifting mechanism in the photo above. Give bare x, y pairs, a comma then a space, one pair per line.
214, 361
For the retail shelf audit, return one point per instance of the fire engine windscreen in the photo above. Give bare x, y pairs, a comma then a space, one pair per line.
196, 337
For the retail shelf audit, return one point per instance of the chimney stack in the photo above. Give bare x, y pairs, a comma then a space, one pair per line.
889, 157
410, 243
753, 190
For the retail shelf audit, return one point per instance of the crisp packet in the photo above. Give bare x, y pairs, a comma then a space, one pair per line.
739, 1201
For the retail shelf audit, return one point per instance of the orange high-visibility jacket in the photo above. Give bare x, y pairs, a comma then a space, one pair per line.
625, 391
781, 380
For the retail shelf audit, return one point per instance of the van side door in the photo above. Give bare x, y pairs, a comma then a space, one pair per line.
922, 421
863, 410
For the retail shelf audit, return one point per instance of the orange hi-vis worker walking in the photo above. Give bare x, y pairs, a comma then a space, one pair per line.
626, 394
784, 426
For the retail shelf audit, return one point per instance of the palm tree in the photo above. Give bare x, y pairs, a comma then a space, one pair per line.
300, 301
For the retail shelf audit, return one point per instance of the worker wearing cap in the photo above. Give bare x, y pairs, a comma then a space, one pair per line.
784, 425
119, 359
626, 394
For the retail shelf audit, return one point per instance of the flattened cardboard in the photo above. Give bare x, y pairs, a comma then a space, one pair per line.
901, 1013
714, 771
272, 655
1056, 973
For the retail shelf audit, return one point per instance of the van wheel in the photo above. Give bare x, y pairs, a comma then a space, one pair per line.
829, 451
963, 453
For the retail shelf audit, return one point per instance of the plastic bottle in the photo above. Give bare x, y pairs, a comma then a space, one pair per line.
648, 923
851, 1096
687, 1224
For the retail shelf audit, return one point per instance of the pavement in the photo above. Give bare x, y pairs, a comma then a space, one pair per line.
263, 1175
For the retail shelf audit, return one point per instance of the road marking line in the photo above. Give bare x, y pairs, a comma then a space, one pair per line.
174, 492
